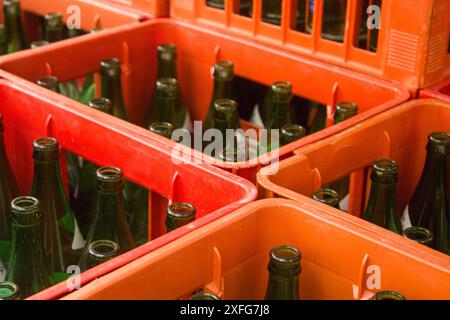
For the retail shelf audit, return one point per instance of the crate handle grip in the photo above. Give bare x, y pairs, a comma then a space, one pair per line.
48, 69
386, 151
217, 285
317, 179
358, 289
173, 187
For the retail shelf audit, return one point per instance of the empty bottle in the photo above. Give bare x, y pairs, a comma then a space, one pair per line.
429, 205
61, 236
382, 205
112, 86
3, 42
327, 196
28, 266
15, 35
204, 296
278, 109
319, 111
284, 270
164, 129
8, 191
49, 82
109, 221
388, 295
9, 291
179, 214
101, 251
53, 27
344, 111
419, 235
291, 133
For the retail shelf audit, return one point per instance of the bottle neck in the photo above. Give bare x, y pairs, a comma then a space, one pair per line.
14, 32
53, 35
46, 176
167, 69
111, 206
112, 90
435, 169
279, 116
283, 287
223, 89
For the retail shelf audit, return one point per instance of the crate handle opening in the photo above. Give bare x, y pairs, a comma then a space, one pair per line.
217, 285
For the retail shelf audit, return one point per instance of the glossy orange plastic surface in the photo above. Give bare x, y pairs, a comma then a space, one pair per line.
441, 92
154, 8
229, 258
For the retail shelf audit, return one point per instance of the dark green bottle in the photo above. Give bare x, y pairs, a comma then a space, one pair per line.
61, 236
382, 205
278, 109
112, 87
419, 235
178, 215
86, 191
9, 291
101, 251
3, 42
8, 191
291, 133
49, 82
28, 266
284, 270
15, 35
320, 116
109, 221
53, 28
223, 89
39, 43
388, 295
327, 196
204, 296
345, 111
164, 129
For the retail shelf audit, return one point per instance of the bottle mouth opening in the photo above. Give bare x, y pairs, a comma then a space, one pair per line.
224, 70
418, 234
385, 166
109, 174
326, 196
230, 155
48, 81
8, 289
293, 131
40, 43
102, 104
439, 142
110, 67
162, 128
388, 295
47, 144
285, 254
204, 296
102, 249
167, 51
53, 18
181, 210
225, 106
347, 107
167, 87
25, 204
282, 87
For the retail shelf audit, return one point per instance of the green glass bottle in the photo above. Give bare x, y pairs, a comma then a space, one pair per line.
388, 295
109, 221
345, 111
327, 196
166, 102
382, 205
223, 89
291, 133
429, 205
3, 42
53, 27
284, 271
28, 266
39, 43
49, 82
419, 235
101, 251
61, 236
8, 191
112, 87
164, 129
9, 291
179, 214
15, 35
278, 109
204, 296
320, 116
86, 191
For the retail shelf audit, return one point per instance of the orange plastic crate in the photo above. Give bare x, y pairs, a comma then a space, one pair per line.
155, 8
229, 258
441, 92
412, 46
105, 141
136, 46
93, 14
400, 134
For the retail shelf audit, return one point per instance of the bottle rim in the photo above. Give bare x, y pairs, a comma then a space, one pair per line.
386, 166
225, 106
418, 234
348, 108
25, 204
101, 104
109, 174
285, 254
439, 142
110, 67
161, 128
103, 249
12, 287
181, 210
53, 18
388, 295
326, 196
224, 70
46, 144
293, 131
48, 82
204, 296
167, 51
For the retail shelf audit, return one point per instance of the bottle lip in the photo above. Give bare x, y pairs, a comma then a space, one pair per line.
109, 174
225, 106
164, 129
418, 234
101, 104
181, 210
385, 170
25, 204
326, 196
224, 70
388, 295
293, 131
439, 142
346, 109
110, 67
103, 249
39, 43
167, 51
7, 3
204, 296
49, 82
281, 90
12, 287
167, 87
25, 212
46, 149
285, 255
54, 19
